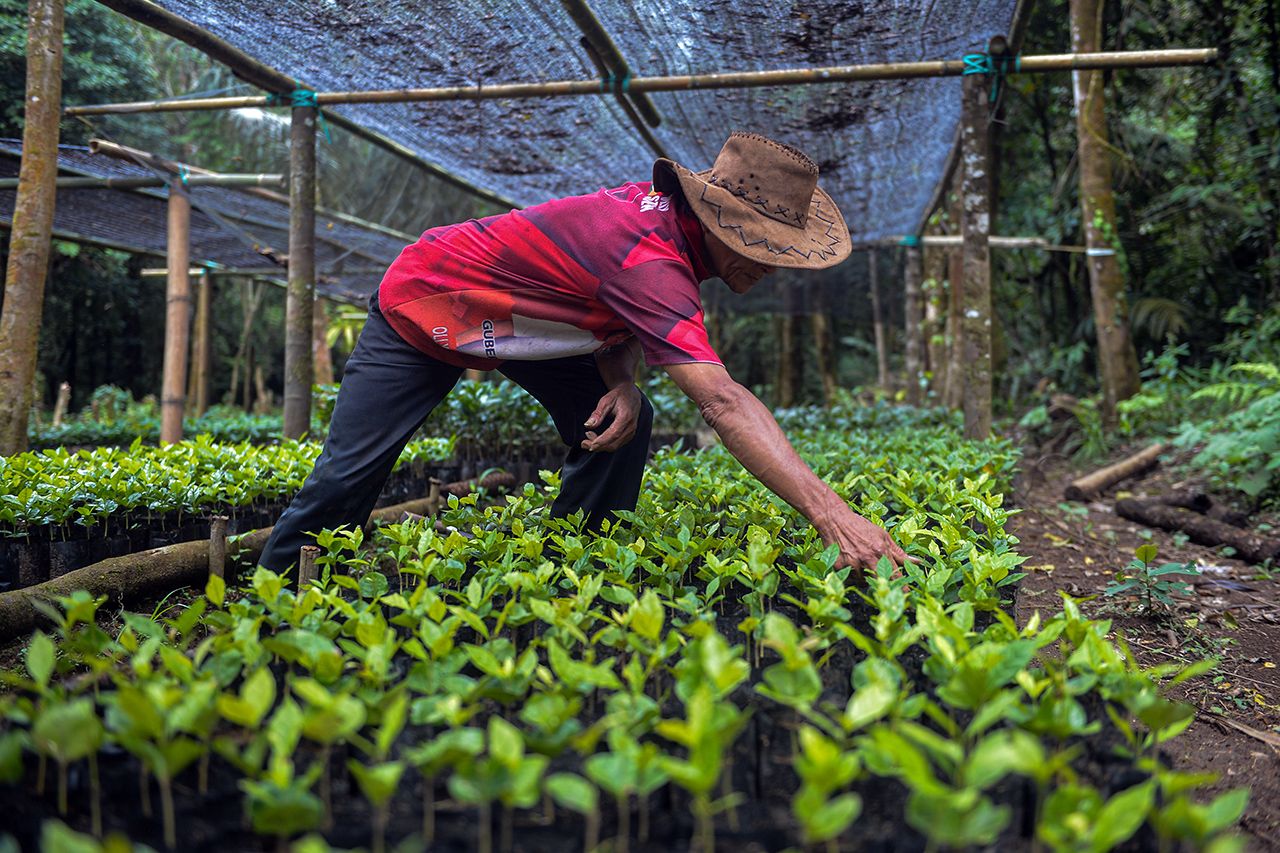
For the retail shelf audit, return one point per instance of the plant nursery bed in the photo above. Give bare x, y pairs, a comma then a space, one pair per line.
698, 676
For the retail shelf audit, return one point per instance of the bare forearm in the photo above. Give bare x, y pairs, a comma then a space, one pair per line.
751, 434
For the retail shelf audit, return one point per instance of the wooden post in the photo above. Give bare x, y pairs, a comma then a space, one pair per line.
218, 545
202, 346
177, 318
300, 299
824, 343
320, 355
307, 565
877, 320
790, 353
32, 226
63, 402
1117, 359
976, 228
953, 397
914, 325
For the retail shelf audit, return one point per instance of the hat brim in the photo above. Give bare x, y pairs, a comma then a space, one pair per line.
822, 243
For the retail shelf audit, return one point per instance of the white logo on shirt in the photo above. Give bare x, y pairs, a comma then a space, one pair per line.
655, 201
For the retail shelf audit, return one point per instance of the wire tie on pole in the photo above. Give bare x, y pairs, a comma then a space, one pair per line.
182, 174
910, 240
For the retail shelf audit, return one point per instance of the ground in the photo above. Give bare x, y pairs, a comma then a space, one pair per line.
1233, 613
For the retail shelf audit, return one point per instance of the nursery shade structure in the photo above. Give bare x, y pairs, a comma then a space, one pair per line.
882, 146
230, 229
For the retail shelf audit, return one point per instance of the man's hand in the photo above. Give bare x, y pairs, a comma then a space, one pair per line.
622, 404
862, 543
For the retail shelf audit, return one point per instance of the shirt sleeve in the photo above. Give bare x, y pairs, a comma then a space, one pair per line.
660, 303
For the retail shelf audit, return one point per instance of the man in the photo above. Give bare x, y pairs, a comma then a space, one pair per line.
562, 298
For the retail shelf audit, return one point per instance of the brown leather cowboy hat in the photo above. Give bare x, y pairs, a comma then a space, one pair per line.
762, 200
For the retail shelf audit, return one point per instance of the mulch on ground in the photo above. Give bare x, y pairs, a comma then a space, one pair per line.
1233, 614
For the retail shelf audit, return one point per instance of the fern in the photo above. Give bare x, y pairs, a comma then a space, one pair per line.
1234, 394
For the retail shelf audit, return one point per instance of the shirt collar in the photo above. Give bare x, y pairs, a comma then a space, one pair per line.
697, 240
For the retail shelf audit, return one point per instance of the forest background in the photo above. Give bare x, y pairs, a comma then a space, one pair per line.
1196, 160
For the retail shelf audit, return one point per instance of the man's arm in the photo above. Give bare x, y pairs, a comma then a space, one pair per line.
617, 367
751, 434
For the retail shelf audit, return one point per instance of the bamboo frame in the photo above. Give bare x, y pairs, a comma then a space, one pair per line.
135, 155
177, 321
79, 182
725, 80
265, 77
995, 242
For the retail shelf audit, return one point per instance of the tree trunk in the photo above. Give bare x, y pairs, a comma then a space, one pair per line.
975, 228
824, 343
877, 320
177, 318
300, 301
1117, 360
790, 355
913, 323
955, 330
935, 270
321, 358
32, 224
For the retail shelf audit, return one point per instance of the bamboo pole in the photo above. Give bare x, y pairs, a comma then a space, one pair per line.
202, 356
301, 297
218, 545
136, 155
80, 182
994, 242
269, 79
237, 272
177, 319
913, 273
975, 224
675, 83
877, 320
29, 237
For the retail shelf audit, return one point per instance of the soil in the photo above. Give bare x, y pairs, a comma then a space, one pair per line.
1232, 613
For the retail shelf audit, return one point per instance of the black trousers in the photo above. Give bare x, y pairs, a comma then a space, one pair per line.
387, 391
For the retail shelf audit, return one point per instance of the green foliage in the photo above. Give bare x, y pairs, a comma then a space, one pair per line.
1240, 450
521, 640
1154, 583
86, 486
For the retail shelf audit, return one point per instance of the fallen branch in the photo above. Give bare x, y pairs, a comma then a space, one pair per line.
1090, 486
1202, 530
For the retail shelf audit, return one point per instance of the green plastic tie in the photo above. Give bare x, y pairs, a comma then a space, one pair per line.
301, 98
997, 68
910, 240
618, 85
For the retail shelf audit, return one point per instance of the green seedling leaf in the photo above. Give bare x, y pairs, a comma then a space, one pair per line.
40, 659
571, 791
216, 590
378, 782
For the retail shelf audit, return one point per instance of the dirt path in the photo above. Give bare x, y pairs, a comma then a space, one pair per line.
1233, 613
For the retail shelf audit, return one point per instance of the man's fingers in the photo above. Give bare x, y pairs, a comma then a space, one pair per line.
602, 408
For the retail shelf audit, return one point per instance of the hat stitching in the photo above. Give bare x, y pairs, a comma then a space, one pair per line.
794, 153
821, 251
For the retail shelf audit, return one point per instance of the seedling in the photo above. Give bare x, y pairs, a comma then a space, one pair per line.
1153, 583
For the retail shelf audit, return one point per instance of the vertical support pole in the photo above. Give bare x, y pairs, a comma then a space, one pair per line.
913, 273
218, 545
320, 356
300, 299
32, 228
953, 398
1117, 359
824, 343
976, 229
877, 321
177, 317
307, 571
202, 352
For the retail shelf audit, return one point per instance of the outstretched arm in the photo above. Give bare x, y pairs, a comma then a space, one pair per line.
751, 434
